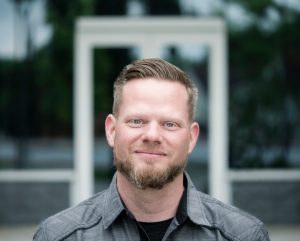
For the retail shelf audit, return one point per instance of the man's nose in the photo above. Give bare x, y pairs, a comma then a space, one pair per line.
152, 133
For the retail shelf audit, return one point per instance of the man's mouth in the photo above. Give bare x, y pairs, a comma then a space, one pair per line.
150, 154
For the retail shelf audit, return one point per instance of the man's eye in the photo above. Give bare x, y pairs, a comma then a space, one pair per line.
170, 125
135, 122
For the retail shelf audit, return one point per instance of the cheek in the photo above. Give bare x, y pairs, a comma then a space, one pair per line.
180, 145
124, 136
182, 151
123, 140
120, 150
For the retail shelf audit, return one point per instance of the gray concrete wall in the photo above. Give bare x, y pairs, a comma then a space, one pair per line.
272, 202
22, 203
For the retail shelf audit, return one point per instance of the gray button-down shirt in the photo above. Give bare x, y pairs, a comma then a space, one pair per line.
103, 217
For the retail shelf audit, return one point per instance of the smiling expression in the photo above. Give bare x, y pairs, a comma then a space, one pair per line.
152, 134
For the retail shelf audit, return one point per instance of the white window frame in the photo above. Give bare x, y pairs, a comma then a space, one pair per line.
149, 35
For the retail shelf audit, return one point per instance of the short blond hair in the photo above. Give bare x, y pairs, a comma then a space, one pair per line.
158, 69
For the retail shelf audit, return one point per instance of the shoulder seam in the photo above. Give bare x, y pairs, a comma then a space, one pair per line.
82, 225
43, 230
229, 236
233, 209
77, 227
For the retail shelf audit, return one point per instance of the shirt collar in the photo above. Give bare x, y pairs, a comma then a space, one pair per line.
190, 205
181, 214
113, 205
195, 207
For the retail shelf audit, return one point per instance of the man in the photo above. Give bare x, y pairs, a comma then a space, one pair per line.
152, 131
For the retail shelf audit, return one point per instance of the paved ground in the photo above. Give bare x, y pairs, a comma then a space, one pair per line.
24, 233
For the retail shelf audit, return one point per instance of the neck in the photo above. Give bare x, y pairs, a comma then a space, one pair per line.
151, 205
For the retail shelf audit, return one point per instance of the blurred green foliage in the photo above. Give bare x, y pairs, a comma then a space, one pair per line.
265, 88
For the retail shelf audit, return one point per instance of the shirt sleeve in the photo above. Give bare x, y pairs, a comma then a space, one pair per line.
261, 234
39, 235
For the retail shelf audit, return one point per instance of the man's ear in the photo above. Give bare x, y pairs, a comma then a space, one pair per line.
110, 129
194, 134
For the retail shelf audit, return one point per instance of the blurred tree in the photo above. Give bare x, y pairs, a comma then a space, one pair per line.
55, 64
18, 76
166, 7
265, 89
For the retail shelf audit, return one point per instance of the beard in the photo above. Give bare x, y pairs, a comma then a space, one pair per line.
149, 176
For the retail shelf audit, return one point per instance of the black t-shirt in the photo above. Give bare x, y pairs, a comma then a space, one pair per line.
153, 231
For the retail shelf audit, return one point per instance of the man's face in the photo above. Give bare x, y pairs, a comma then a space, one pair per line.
152, 134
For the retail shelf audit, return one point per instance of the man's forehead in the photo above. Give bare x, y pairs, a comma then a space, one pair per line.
158, 87
155, 93
152, 81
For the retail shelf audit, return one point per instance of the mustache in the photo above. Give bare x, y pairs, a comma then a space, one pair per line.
149, 148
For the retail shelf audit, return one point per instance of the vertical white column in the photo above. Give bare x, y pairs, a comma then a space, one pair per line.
83, 120
218, 119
